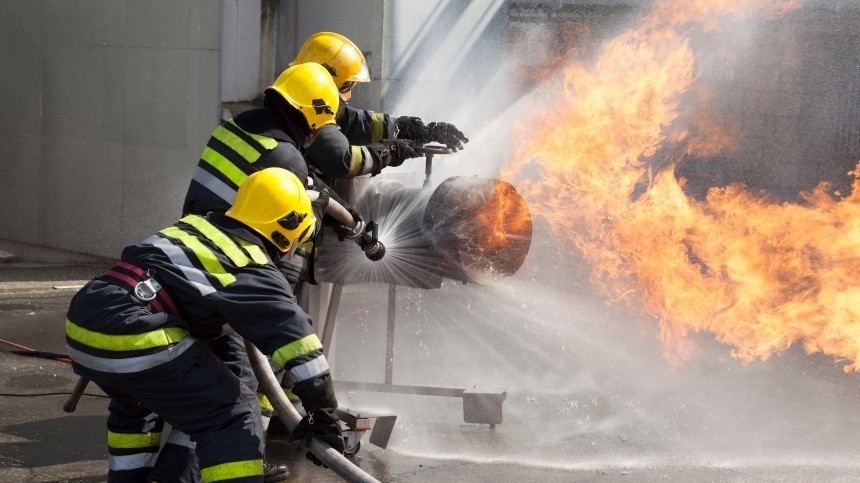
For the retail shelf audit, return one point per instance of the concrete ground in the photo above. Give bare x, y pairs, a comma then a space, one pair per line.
40, 442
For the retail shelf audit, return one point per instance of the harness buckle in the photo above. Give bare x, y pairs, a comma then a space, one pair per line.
147, 289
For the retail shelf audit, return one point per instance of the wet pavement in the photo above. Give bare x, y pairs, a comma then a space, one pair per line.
40, 442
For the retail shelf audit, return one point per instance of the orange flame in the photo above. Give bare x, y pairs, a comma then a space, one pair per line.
505, 217
760, 276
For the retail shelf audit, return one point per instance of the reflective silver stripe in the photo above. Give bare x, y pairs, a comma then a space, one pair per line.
309, 369
131, 461
215, 185
179, 438
178, 257
131, 364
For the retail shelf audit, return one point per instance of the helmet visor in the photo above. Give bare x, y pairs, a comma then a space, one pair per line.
305, 237
346, 87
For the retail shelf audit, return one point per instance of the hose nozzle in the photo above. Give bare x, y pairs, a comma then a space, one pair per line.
370, 244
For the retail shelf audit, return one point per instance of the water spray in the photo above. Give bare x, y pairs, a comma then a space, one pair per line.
467, 229
369, 240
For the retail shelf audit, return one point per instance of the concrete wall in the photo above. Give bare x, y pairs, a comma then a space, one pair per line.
240, 50
106, 105
248, 40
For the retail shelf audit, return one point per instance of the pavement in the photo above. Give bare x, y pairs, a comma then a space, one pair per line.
40, 442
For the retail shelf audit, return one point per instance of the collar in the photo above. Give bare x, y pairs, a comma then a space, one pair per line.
268, 122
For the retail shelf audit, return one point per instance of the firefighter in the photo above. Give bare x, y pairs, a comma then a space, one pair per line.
378, 140
300, 101
139, 332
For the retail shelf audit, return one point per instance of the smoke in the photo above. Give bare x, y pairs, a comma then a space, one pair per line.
588, 384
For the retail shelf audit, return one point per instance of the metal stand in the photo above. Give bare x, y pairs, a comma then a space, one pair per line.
480, 406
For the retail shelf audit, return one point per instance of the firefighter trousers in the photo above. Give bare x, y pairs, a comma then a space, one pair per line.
197, 394
177, 461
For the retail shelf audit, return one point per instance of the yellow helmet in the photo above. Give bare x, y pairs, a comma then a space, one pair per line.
309, 88
275, 204
339, 55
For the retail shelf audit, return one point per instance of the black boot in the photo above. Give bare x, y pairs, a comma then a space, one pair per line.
273, 473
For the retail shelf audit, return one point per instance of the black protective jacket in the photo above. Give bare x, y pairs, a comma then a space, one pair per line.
253, 140
337, 151
215, 272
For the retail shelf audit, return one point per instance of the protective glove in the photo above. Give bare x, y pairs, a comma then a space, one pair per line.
390, 152
447, 134
413, 128
321, 424
346, 233
318, 207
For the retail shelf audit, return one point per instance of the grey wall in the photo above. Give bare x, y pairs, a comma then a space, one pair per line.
106, 105
248, 38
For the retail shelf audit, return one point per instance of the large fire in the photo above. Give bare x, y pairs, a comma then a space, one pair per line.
759, 275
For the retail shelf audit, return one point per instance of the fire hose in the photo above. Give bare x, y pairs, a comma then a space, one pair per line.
288, 414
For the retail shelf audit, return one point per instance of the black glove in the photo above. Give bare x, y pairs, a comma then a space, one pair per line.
318, 398
390, 152
447, 134
318, 206
412, 128
321, 424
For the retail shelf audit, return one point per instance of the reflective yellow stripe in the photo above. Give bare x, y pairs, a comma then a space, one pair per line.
207, 258
132, 342
219, 238
130, 441
308, 249
290, 395
296, 348
265, 405
229, 471
236, 143
267, 142
356, 162
377, 126
224, 166
253, 250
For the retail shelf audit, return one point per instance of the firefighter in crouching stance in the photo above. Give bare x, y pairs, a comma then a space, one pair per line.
139, 332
